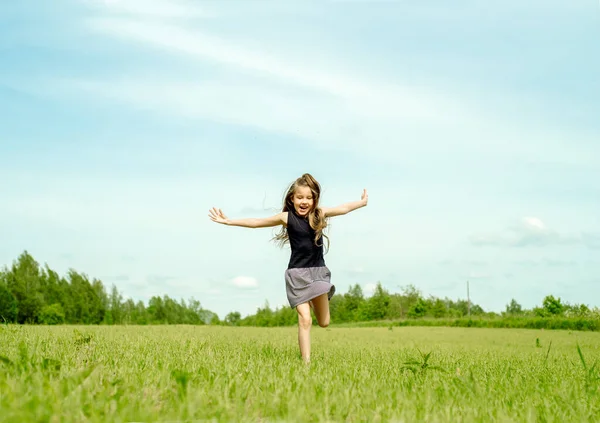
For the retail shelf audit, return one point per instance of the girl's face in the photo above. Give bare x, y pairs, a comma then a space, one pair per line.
303, 200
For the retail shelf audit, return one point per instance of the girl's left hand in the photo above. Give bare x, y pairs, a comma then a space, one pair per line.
365, 197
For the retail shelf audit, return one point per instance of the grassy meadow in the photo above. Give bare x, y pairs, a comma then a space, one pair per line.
205, 373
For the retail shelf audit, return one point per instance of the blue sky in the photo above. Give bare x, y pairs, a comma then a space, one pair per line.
474, 126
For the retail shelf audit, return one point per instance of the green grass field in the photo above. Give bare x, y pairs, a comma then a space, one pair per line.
184, 373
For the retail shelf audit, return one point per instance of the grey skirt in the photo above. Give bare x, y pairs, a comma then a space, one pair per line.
305, 283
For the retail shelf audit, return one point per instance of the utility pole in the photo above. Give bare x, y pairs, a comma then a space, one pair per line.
468, 299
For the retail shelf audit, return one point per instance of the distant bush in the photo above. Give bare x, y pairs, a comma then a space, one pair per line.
557, 323
52, 315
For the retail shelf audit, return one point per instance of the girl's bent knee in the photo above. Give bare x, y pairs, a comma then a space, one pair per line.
324, 323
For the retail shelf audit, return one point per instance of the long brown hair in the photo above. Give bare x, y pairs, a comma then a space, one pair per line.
315, 217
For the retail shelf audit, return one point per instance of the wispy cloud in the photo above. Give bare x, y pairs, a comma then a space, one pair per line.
308, 97
532, 232
274, 87
388, 99
245, 282
150, 8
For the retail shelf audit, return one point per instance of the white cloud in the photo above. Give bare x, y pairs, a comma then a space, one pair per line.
532, 232
245, 282
535, 223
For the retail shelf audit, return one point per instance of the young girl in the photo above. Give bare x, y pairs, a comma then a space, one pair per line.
307, 277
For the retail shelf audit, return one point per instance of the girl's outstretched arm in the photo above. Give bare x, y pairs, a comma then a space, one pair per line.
348, 207
216, 215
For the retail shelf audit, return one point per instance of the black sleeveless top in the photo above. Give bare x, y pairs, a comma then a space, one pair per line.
302, 242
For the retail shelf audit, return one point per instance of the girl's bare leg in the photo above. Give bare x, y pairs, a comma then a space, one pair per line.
320, 306
304, 324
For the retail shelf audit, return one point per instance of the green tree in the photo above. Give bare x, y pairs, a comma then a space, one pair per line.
514, 308
376, 306
141, 315
195, 310
52, 315
345, 308
336, 308
553, 305
439, 308
264, 316
8, 305
156, 310
462, 307
411, 295
354, 298
395, 308
171, 310
52, 290
88, 299
24, 282
578, 310
233, 318
67, 300
100, 301
476, 310
285, 316
418, 309
129, 311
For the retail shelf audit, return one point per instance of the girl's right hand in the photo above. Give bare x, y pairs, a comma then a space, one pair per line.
217, 215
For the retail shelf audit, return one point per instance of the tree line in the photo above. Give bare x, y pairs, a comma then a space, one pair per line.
34, 294
30, 293
411, 307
